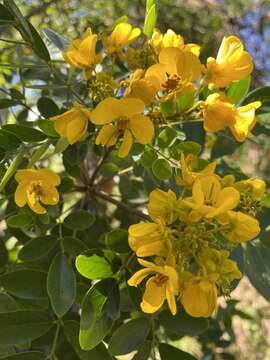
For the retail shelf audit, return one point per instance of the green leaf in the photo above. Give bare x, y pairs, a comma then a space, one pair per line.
187, 147
129, 336
148, 157
149, 4
183, 323
5, 15
21, 326
47, 126
73, 246
71, 329
38, 44
37, 248
93, 267
100, 308
66, 185
224, 146
14, 93
29, 355
166, 137
25, 133
257, 267
117, 240
7, 303
56, 39
47, 107
19, 220
61, 285
39, 153
150, 20
261, 94
76, 153
61, 145
109, 170
9, 350
8, 141
23, 25
168, 352
18, 283
6, 103
3, 253
237, 90
162, 169
79, 220
185, 102
144, 351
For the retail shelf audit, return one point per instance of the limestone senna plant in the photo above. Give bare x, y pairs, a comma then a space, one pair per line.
129, 94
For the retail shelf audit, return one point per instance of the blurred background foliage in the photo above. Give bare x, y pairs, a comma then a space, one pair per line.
241, 330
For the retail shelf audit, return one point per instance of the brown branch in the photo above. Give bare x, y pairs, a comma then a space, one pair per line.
119, 204
104, 158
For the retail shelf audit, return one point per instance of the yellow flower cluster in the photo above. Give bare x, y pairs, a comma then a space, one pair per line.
165, 69
189, 238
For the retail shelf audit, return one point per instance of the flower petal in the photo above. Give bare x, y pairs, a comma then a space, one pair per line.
108, 135
128, 107
104, 112
138, 277
50, 196
154, 296
76, 128
20, 196
142, 128
126, 144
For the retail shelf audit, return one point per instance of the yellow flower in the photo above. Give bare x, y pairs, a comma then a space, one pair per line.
199, 297
73, 123
163, 285
209, 199
188, 176
147, 239
219, 112
122, 35
122, 119
82, 53
154, 238
142, 87
163, 205
257, 187
171, 39
36, 186
217, 266
241, 227
232, 63
175, 71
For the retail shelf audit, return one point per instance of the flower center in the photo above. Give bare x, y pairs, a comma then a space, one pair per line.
172, 82
122, 124
36, 191
160, 279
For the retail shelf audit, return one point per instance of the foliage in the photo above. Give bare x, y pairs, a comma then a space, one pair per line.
113, 145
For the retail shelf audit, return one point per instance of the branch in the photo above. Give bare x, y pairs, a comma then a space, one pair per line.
95, 173
119, 204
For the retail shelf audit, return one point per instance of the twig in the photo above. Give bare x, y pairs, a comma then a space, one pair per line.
119, 204
95, 173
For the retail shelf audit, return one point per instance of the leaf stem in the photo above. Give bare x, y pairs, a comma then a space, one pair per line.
51, 355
